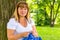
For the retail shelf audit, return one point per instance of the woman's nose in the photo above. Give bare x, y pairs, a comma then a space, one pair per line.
22, 10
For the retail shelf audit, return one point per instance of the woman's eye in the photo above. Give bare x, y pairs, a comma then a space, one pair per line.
20, 8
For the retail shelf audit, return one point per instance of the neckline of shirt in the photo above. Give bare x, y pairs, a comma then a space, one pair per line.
21, 25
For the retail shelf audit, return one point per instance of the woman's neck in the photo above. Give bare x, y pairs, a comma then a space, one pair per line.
22, 18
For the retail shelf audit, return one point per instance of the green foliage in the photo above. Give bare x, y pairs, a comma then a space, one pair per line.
42, 10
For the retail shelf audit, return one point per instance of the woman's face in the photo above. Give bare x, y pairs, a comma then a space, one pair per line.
22, 11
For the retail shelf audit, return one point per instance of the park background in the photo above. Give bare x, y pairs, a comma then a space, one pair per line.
45, 13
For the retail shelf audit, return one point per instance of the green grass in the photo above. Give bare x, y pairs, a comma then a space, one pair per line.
49, 33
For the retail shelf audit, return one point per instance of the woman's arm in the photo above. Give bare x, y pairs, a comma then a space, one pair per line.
34, 31
11, 36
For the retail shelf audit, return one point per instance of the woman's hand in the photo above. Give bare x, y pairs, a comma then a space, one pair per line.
25, 34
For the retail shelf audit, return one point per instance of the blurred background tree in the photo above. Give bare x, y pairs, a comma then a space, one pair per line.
46, 12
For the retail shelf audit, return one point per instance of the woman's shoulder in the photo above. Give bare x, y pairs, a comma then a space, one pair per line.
12, 20
11, 24
31, 21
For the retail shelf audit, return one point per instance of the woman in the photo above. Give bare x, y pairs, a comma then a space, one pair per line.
20, 24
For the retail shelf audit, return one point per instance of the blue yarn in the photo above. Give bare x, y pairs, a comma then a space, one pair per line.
31, 37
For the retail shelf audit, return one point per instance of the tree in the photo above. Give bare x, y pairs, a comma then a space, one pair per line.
48, 9
6, 10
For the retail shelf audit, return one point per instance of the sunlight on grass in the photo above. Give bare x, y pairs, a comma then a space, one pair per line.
49, 33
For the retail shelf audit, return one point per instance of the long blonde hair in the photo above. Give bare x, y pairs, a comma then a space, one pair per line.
21, 4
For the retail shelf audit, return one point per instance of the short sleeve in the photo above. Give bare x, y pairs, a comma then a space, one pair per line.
32, 22
11, 24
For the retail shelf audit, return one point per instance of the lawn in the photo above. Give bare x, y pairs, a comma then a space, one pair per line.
49, 33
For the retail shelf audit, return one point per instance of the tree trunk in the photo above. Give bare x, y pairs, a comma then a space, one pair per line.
52, 14
53, 18
6, 10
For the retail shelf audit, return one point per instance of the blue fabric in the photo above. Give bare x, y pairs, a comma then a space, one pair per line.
31, 37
